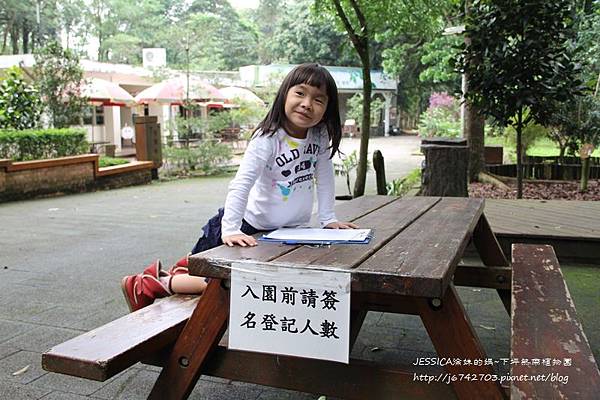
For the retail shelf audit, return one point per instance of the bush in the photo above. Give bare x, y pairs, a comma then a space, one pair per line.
208, 157
531, 133
401, 186
38, 144
20, 103
442, 118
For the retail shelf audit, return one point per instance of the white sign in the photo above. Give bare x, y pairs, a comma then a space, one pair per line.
290, 311
127, 132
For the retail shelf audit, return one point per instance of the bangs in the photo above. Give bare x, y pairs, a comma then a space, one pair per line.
313, 75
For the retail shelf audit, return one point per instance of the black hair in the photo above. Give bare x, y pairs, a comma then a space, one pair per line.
314, 75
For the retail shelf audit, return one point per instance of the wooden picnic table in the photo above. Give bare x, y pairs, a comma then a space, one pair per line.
410, 266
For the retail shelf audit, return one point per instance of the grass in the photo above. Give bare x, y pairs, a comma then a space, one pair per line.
543, 147
110, 161
582, 281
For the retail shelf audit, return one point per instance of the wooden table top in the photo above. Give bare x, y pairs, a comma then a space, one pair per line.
417, 244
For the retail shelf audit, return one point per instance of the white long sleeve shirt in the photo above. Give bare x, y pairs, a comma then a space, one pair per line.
273, 187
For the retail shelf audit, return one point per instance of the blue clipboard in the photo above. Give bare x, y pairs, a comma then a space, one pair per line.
318, 237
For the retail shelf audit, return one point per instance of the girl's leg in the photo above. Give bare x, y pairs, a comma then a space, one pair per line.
187, 284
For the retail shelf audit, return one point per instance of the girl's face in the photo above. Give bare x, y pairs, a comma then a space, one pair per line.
305, 106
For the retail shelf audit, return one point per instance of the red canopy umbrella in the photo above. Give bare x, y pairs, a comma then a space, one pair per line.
234, 92
101, 92
175, 91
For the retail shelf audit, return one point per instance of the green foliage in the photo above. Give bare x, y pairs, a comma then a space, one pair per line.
58, 78
208, 157
20, 104
518, 58
111, 161
249, 114
246, 115
21, 32
355, 108
216, 37
439, 121
442, 118
347, 164
124, 48
436, 58
122, 28
578, 122
315, 39
40, 144
415, 51
401, 186
588, 48
530, 135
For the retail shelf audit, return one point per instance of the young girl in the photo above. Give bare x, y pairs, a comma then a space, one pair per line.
290, 151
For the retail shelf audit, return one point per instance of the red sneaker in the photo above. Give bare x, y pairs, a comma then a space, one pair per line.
141, 290
155, 270
180, 267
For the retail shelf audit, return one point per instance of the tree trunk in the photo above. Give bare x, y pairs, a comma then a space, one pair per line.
474, 128
585, 174
14, 38
361, 172
473, 124
4, 38
25, 37
438, 179
561, 154
519, 154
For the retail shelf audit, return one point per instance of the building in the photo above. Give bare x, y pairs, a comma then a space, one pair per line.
348, 80
110, 120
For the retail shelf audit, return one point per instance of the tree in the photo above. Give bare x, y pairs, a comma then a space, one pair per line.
578, 125
58, 78
20, 103
265, 18
365, 24
314, 40
353, 16
588, 46
25, 28
518, 62
229, 42
415, 51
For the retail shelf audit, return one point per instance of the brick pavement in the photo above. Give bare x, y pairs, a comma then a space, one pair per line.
61, 261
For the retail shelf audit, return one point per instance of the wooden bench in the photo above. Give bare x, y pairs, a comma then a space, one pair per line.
105, 351
146, 335
545, 329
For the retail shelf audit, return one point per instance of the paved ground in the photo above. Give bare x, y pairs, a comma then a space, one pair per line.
62, 258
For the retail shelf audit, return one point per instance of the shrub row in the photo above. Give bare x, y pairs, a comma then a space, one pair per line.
38, 144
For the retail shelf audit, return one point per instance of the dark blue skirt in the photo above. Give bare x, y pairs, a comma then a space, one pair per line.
211, 233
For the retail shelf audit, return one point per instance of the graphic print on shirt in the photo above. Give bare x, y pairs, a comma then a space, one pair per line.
286, 159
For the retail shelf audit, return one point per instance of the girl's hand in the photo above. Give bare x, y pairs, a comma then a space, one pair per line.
341, 225
239, 239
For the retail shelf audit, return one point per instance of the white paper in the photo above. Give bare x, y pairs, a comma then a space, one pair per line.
304, 300
319, 234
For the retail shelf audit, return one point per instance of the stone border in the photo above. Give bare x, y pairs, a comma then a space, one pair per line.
29, 179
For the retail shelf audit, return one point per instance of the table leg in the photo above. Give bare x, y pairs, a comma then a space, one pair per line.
199, 337
357, 317
491, 253
453, 337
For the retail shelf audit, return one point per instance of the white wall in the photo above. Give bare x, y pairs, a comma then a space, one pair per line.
112, 125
